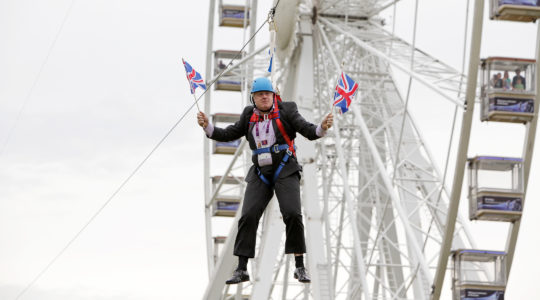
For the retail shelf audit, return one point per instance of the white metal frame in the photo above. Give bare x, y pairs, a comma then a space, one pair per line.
528, 149
474, 61
379, 219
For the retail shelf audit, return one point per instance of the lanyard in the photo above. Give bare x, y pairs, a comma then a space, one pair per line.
257, 128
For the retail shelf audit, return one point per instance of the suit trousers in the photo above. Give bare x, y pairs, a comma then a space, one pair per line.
257, 196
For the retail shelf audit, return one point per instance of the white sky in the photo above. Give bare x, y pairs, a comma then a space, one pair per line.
112, 87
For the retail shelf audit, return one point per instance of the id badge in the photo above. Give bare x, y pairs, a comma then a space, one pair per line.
264, 159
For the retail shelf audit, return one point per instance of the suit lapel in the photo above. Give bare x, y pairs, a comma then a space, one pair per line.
251, 139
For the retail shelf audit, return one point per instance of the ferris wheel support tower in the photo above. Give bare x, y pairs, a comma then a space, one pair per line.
379, 220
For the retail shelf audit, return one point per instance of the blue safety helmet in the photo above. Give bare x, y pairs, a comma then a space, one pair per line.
262, 84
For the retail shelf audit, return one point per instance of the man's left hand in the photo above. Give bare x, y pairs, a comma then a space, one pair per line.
327, 122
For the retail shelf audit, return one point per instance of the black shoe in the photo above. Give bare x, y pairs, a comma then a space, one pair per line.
238, 276
301, 275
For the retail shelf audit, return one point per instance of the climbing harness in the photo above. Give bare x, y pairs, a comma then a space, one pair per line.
289, 147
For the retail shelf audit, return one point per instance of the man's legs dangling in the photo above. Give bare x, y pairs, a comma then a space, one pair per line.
288, 194
256, 198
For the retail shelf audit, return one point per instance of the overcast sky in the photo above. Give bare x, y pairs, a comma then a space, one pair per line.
111, 87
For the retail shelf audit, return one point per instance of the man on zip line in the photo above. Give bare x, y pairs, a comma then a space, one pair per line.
270, 126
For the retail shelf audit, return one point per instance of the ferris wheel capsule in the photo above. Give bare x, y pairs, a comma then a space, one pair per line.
225, 147
226, 203
478, 274
233, 15
495, 188
515, 10
508, 89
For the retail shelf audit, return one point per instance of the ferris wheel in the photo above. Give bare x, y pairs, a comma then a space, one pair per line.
381, 216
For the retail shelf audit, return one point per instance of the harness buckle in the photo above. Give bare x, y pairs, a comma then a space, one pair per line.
275, 148
289, 152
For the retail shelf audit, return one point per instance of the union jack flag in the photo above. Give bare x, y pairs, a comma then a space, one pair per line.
195, 79
346, 89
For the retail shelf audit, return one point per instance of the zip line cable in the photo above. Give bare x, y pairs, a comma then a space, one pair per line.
72, 240
36, 80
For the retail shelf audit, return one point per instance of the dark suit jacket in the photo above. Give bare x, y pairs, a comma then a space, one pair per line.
293, 123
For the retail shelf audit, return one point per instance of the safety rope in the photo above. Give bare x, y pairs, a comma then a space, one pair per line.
273, 30
102, 207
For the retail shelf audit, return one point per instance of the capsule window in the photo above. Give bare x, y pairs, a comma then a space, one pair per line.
221, 120
227, 201
230, 79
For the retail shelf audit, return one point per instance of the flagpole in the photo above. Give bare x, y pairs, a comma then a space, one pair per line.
339, 76
192, 89
197, 103
332, 95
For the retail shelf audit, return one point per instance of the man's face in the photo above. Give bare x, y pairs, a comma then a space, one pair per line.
263, 100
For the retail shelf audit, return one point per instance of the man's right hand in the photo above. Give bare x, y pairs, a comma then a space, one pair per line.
202, 119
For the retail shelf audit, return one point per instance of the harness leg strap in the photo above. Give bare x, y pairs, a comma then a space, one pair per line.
280, 167
263, 178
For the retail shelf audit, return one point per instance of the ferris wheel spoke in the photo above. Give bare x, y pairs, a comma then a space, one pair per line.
400, 61
382, 6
